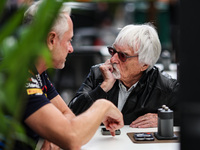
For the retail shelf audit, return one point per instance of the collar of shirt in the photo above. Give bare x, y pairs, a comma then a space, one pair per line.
123, 94
124, 89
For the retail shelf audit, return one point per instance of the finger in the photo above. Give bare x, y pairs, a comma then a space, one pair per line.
107, 61
109, 67
106, 68
138, 120
106, 64
113, 126
144, 117
54, 147
145, 124
108, 125
139, 125
45, 145
112, 133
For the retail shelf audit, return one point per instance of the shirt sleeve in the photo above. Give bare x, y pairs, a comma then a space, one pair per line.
34, 102
40, 91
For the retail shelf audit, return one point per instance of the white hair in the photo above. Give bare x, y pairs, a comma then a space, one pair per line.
60, 25
144, 41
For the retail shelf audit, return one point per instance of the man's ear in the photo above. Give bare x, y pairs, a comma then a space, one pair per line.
144, 67
51, 40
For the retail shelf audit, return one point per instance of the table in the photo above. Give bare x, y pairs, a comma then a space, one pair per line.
123, 142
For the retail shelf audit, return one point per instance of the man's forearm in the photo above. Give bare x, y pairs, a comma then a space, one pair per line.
90, 120
70, 132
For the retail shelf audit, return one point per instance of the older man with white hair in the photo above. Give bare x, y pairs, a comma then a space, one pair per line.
130, 80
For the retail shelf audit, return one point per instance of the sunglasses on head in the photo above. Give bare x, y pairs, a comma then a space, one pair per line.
123, 57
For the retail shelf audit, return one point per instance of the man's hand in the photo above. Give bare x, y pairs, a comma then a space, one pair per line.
109, 80
49, 146
149, 120
113, 120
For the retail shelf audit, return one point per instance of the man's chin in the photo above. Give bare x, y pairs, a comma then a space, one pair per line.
63, 66
59, 66
116, 72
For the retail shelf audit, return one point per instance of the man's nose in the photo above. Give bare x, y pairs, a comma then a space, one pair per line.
71, 49
114, 58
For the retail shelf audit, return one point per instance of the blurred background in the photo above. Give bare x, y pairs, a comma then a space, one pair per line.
96, 25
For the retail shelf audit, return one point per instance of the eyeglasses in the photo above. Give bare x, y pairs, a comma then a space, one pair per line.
121, 55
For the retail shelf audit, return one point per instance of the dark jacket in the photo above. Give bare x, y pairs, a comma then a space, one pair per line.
152, 91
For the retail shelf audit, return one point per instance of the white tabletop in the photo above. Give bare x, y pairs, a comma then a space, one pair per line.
123, 142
